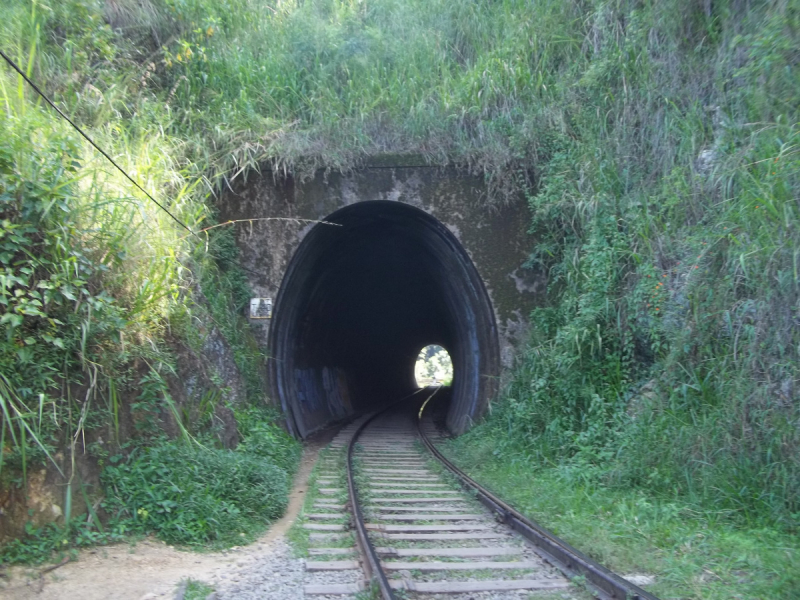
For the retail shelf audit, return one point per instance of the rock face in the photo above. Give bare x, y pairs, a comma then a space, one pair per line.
275, 215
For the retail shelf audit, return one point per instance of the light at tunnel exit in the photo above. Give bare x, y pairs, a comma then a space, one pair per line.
433, 366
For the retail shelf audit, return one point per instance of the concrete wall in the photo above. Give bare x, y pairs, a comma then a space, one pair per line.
495, 237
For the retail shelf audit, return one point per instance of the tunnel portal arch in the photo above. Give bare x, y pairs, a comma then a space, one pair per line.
361, 294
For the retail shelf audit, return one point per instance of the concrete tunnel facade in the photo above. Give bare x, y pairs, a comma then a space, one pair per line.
407, 256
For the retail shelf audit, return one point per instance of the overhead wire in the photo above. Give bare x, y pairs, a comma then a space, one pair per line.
93, 143
105, 154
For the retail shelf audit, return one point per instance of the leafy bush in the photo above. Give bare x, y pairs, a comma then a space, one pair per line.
44, 543
56, 317
184, 494
195, 496
92, 275
262, 438
97, 284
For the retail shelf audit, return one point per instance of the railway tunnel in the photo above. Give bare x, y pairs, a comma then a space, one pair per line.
364, 292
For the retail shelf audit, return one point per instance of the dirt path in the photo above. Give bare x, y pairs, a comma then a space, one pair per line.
150, 569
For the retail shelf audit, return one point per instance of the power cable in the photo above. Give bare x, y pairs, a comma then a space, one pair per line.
92, 142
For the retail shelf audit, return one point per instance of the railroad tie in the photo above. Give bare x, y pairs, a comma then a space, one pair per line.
324, 527
451, 552
332, 565
462, 587
420, 522
458, 566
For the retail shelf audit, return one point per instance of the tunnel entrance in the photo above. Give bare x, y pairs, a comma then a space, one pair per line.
358, 301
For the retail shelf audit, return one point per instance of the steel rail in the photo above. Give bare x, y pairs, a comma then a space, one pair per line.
573, 562
372, 564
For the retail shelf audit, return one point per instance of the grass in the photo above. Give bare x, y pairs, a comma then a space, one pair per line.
693, 551
298, 536
101, 292
195, 496
664, 356
196, 590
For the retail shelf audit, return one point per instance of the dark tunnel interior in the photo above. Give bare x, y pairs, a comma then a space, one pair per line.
358, 302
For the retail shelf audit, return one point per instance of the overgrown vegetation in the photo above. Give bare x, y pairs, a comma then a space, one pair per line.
196, 497
187, 494
656, 142
662, 371
102, 297
690, 551
666, 358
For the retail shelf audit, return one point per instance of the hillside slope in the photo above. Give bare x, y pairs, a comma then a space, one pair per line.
658, 144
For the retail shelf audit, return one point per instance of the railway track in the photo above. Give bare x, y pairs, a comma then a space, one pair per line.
425, 530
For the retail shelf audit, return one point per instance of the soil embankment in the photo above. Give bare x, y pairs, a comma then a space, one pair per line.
150, 569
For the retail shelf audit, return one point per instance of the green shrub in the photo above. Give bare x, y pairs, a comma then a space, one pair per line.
93, 276
262, 438
195, 496
667, 353
45, 543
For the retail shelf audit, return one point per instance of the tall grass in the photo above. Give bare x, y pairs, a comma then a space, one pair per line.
306, 84
667, 356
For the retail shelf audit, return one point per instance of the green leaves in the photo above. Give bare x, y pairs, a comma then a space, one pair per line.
665, 218
195, 496
53, 319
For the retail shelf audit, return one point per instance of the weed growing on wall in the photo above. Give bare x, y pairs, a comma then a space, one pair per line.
225, 289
